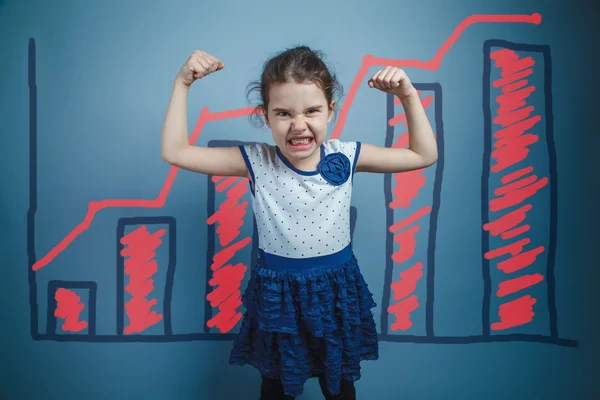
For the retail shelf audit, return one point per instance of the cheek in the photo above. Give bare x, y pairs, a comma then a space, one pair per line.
279, 127
279, 131
318, 124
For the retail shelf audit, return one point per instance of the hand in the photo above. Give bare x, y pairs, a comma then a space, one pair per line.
394, 81
198, 66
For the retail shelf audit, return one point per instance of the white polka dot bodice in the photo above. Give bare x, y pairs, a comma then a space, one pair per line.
301, 214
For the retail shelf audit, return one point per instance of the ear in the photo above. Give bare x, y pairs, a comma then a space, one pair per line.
331, 109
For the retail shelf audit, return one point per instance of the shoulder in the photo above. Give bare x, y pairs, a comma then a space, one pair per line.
336, 145
258, 150
258, 157
350, 149
257, 147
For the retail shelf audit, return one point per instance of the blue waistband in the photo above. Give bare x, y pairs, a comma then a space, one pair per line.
279, 263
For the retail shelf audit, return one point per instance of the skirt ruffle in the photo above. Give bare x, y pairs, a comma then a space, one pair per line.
303, 324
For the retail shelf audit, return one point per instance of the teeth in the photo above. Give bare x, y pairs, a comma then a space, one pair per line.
300, 141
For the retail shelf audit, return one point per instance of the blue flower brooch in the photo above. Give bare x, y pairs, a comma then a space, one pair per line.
335, 168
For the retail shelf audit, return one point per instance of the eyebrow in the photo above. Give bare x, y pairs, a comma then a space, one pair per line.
278, 109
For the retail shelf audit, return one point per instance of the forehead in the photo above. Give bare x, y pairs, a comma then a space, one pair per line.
293, 94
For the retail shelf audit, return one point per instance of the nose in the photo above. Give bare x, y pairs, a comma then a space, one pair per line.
298, 124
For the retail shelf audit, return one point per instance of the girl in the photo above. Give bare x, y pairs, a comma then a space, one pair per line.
308, 308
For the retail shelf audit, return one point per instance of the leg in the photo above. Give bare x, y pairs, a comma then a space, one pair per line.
347, 390
272, 389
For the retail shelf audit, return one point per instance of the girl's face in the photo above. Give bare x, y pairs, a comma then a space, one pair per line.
298, 115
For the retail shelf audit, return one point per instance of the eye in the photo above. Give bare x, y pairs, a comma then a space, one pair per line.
310, 110
282, 113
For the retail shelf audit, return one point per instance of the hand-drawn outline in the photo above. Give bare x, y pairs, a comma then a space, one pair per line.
206, 116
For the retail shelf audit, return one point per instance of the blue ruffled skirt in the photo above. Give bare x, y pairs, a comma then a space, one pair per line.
303, 322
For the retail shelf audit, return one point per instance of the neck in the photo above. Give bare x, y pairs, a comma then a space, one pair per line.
306, 164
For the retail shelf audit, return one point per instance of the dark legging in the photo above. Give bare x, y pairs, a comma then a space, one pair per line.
272, 389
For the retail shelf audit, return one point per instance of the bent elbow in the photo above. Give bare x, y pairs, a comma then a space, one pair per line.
168, 157
428, 162
172, 154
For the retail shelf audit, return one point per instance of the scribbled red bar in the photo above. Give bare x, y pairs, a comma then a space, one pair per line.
140, 266
518, 217
410, 200
227, 264
69, 308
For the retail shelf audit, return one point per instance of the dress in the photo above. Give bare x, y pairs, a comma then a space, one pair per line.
308, 308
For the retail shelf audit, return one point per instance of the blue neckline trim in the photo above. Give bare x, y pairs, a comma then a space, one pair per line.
290, 166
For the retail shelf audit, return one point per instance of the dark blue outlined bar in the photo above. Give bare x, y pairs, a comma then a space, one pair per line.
436, 88
53, 286
544, 50
212, 235
172, 246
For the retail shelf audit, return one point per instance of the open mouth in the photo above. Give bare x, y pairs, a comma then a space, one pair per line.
300, 143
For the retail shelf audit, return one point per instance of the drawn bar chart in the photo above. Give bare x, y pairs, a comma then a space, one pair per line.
518, 215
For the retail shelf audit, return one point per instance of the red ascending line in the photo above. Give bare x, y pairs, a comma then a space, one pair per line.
206, 116
431, 65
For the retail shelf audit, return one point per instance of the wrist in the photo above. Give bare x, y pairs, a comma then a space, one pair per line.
410, 96
179, 84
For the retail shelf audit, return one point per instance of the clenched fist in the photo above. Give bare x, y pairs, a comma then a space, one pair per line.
198, 66
392, 80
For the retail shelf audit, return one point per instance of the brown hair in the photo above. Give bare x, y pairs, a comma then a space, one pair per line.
297, 64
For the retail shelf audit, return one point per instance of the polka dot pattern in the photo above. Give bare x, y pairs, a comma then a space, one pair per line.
299, 214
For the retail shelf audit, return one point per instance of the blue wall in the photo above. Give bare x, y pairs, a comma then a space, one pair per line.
84, 92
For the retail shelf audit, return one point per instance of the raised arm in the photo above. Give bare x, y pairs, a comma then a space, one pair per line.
422, 148
176, 149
